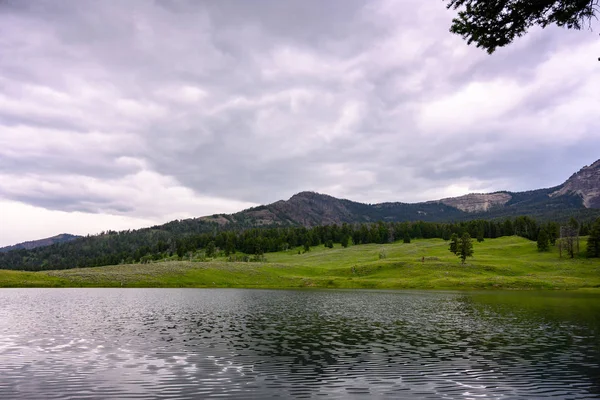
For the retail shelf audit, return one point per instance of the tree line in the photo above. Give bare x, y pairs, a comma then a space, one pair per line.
183, 241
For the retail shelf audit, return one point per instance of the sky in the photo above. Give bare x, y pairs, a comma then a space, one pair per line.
125, 114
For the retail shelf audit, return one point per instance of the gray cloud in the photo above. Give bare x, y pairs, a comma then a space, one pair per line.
127, 104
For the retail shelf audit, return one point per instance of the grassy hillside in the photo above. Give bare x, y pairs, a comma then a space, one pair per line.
504, 263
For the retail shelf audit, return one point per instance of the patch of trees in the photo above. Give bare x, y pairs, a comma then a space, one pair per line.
183, 239
569, 239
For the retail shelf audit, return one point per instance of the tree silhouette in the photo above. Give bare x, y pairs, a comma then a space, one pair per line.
492, 24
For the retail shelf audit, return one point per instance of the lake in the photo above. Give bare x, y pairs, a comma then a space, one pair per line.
235, 343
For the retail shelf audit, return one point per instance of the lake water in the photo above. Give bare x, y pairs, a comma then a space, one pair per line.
203, 343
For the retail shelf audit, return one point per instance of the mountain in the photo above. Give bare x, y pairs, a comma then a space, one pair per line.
478, 202
312, 209
579, 196
63, 237
585, 183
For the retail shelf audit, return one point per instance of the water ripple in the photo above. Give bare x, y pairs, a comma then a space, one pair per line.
303, 344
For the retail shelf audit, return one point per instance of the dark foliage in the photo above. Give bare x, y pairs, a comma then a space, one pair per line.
184, 238
543, 241
465, 247
495, 23
454, 243
593, 246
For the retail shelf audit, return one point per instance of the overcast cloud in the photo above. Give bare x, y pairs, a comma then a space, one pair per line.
120, 114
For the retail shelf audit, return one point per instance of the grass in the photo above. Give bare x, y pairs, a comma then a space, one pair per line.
503, 263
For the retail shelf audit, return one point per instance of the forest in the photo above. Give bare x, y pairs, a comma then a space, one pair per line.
198, 239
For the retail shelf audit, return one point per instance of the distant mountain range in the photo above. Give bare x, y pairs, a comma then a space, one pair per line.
63, 237
579, 196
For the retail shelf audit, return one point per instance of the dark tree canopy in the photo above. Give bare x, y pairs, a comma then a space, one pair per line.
454, 243
495, 23
543, 242
593, 244
197, 240
465, 247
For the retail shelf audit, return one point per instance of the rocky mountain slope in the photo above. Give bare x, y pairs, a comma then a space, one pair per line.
578, 196
478, 202
585, 183
312, 209
63, 237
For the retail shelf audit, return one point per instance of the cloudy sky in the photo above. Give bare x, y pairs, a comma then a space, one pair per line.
121, 114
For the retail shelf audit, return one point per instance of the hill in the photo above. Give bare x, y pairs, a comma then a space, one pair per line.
579, 196
63, 237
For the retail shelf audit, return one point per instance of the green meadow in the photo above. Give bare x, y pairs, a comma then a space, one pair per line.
503, 263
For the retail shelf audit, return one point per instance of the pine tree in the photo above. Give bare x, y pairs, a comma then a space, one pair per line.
406, 237
229, 246
543, 241
593, 244
210, 249
480, 235
465, 247
493, 24
345, 240
454, 243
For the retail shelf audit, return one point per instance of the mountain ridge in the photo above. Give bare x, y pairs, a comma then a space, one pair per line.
586, 183
578, 196
32, 244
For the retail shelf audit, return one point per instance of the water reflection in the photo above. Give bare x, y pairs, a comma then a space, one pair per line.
157, 343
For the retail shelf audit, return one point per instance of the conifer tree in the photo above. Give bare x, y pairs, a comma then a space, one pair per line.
307, 245
344, 241
465, 247
454, 243
480, 235
210, 249
492, 24
543, 241
593, 244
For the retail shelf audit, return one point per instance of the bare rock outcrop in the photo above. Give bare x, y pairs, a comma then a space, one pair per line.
585, 183
477, 202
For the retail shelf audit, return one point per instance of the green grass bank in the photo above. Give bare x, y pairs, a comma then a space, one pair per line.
503, 263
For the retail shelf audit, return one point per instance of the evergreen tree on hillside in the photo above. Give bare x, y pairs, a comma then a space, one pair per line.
446, 233
454, 243
344, 241
543, 242
593, 245
406, 238
553, 231
480, 235
229, 246
465, 247
210, 249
